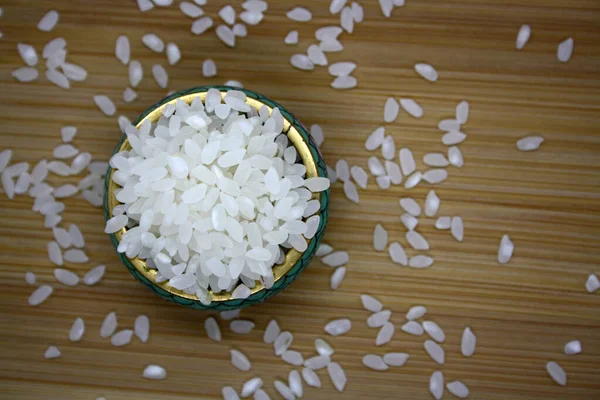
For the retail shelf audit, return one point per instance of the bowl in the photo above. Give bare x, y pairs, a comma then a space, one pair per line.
294, 262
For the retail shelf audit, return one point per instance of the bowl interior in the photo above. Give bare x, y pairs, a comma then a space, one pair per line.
297, 135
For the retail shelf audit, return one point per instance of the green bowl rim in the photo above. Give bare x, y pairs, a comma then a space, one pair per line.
293, 273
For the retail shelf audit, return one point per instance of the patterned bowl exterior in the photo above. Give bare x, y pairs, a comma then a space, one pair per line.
284, 281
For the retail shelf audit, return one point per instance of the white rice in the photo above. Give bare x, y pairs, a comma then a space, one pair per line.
77, 330
190, 9
457, 229
201, 25
302, 61
311, 378
378, 319
323, 348
417, 241
435, 351
28, 54
505, 250
109, 325
375, 139
343, 82
292, 357
409, 221
25, 74
413, 328
390, 110
410, 206
52, 352
338, 327
58, 79
160, 76
48, 21
398, 254
395, 359
212, 329
153, 42
105, 104
291, 38
573, 347
458, 389
94, 275
386, 7
129, 95
271, 332
434, 330
337, 376
523, 36
370, 303
462, 112
436, 385
142, 328
416, 312
225, 34
530, 143
239, 360
30, 278
66, 277
412, 107
251, 386
241, 327
388, 148
121, 338
299, 14
556, 373
295, 383
40, 295
427, 71
347, 19
420, 261
565, 50
209, 68
374, 362
468, 342
154, 372
407, 161
337, 277
284, 390
282, 343
592, 283
385, 335
122, 49
455, 156
240, 30
317, 362
316, 55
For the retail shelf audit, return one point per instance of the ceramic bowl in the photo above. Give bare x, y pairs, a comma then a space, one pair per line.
294, 261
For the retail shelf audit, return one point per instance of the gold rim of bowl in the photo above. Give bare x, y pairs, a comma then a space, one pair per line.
292, 256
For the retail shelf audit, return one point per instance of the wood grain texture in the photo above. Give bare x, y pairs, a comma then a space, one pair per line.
522, 313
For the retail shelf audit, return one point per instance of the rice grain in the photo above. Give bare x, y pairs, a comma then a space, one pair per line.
338, 327
436, 385
468, 342
374, 362
565, 50
556, 373
40, 295
48, 21
385, 334
523, 36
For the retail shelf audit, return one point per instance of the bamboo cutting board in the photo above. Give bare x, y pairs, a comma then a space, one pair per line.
547, 201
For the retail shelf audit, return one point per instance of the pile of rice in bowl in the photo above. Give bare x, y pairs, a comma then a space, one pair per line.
212, 194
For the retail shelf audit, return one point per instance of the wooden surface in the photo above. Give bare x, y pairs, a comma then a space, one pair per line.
522, 313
